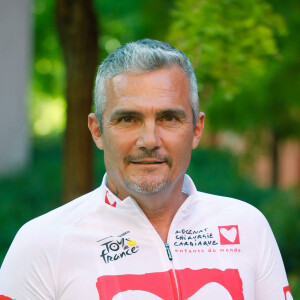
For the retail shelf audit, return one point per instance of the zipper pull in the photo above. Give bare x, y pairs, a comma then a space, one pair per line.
168, 251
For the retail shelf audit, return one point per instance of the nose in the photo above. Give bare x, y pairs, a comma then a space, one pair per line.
148, 136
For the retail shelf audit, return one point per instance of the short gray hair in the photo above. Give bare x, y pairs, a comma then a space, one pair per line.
138, 57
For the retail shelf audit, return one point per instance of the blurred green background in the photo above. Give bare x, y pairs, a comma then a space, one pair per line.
246, 56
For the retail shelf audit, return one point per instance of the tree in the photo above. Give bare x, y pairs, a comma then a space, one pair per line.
277, 92
247, 65
227, 40
78, 32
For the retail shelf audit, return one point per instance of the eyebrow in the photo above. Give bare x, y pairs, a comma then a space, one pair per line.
175, 112
123, 112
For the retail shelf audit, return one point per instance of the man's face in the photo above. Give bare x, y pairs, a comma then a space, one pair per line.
147, 131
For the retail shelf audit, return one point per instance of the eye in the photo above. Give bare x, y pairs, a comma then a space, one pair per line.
169, 118
126, 119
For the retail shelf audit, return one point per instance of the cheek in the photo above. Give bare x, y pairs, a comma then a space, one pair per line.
181, 139
117, 146
183, 156
179, 146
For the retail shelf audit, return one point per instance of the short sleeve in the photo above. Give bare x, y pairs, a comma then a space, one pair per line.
26, 272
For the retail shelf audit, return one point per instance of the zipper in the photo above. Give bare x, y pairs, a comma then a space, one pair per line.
169, 253
173, 278
175, 283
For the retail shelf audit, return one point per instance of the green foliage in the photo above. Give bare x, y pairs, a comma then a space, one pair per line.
282, 210
269, 101
47, 107
226, 39
294, 281
30, 193
125, 21
247, 56
48, 75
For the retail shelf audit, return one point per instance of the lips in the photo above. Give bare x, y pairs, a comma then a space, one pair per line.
147, 162
148, 158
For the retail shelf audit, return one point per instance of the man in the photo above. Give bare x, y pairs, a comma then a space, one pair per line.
146, 233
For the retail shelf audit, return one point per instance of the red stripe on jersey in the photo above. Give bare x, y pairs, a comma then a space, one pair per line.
286, 290
5, 298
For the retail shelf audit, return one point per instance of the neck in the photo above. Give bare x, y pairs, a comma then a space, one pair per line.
161, 207
161, 216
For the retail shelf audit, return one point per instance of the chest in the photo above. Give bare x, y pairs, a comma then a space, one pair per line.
203, 258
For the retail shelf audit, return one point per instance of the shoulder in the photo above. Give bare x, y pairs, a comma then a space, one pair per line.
56, 223
224, 213
229, 208
36, 249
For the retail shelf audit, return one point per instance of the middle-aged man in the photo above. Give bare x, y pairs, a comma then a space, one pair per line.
146, 233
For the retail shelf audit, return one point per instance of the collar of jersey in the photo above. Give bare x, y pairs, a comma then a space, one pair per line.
187, 188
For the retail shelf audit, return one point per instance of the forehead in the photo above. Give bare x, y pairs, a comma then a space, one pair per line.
161, 87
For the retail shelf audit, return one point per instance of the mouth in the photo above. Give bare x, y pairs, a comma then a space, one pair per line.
147, 159
147, 162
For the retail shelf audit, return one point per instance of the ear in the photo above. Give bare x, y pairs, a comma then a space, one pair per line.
95, 130
198, 130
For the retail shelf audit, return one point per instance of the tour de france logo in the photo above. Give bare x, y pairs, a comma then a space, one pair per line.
117, 247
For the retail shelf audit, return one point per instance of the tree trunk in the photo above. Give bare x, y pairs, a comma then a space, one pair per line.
275, 159
78, 32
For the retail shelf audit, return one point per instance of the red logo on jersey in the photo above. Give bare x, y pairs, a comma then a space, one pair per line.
229, 235
108, 202
163, 284
287, 293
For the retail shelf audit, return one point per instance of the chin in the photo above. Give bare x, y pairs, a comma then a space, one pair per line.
145, 186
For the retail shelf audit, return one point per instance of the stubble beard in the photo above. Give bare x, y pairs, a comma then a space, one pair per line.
143, 185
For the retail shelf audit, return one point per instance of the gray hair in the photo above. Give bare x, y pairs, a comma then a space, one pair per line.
138, 57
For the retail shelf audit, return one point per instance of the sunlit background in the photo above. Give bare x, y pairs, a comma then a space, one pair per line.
246, 57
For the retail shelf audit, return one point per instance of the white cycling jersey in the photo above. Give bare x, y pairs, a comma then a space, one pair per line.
99, 247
